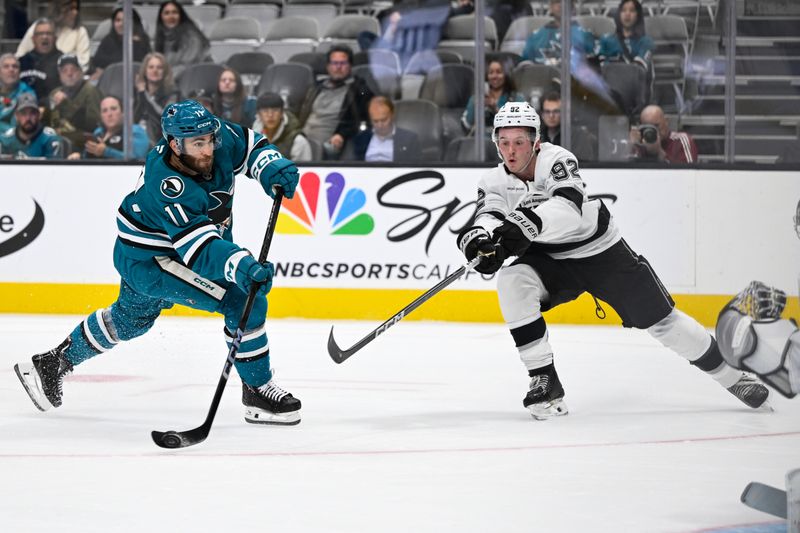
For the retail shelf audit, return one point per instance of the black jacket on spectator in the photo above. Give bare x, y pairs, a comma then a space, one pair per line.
406, 145
110, 49
354, 107
40, 72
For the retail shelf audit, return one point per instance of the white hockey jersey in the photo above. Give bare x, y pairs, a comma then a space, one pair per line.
572, 225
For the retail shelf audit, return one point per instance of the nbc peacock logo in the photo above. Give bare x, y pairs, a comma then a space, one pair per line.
333, 209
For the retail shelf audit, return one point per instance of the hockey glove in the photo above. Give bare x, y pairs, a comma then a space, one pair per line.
518, 230
475, 241
249, 271
280, 172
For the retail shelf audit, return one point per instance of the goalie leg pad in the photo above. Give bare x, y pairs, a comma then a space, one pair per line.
768, 348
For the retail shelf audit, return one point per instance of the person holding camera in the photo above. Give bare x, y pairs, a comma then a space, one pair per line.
652, 140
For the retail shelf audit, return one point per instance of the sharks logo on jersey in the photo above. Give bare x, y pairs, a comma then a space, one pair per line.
172, 187
220, 214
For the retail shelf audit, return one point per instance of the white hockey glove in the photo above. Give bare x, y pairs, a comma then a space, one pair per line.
760, 301
518, 231
475, 241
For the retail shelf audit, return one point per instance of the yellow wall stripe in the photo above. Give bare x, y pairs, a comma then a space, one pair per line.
363, 304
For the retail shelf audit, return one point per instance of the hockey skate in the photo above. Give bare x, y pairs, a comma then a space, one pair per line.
44, 376
751, 392
545, 399
270, 404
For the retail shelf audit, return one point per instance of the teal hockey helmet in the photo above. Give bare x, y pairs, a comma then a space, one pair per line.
188, 119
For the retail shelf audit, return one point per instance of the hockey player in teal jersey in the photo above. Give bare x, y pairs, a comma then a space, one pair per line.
174, 245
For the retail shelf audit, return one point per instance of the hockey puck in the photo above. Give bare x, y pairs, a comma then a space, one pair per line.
171, 439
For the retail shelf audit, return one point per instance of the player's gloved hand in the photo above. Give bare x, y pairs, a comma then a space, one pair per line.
282, 173
475, 241
768, 302
250, 271
518, 231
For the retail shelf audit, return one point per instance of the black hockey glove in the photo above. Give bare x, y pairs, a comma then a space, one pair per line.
517, 231
475, 241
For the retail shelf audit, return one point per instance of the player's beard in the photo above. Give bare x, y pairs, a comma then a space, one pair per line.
201, 165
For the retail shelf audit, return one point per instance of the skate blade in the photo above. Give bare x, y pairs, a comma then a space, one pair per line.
765, 407
259, 416
543, 411
30, 380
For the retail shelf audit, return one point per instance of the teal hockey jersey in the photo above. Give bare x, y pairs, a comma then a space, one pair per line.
188, 219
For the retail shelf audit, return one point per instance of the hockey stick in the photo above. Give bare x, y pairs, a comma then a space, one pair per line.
766, 499
182, 439
338, 355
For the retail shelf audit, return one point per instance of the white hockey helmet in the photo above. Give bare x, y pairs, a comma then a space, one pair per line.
517, 114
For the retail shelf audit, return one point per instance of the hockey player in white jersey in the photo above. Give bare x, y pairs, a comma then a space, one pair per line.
533, 207
753, 336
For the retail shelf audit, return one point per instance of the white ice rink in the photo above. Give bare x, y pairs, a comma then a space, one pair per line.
422, 431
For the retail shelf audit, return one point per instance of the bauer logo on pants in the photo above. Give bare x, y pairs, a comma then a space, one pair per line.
22, 237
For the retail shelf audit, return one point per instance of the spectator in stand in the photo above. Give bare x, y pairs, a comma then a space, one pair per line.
583, 142
30, 138
70, 36
336, 106
281, 127
504, 12
652, 140
75, 105
629, 42
500, 88
179, 38
383, 140
39, 67
110, 49
230, 100
106, 142
544, 45
155, 90
11, 87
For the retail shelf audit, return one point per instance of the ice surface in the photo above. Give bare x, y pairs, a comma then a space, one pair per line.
422, 431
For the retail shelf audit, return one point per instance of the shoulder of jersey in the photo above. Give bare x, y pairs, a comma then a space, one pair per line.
551, 153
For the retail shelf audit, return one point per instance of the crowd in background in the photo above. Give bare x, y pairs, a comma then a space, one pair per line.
52, 106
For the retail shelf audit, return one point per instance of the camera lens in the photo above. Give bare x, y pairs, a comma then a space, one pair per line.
649, 133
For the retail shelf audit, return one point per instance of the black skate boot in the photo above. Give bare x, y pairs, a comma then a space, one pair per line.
545, 397
270, 404
44, 377
750, 391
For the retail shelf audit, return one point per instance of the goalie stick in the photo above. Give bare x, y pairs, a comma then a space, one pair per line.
338, 355
764, 498
182, 439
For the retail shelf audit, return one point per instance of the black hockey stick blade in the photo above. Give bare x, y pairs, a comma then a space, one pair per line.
182, 439
339, 355
765, 499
